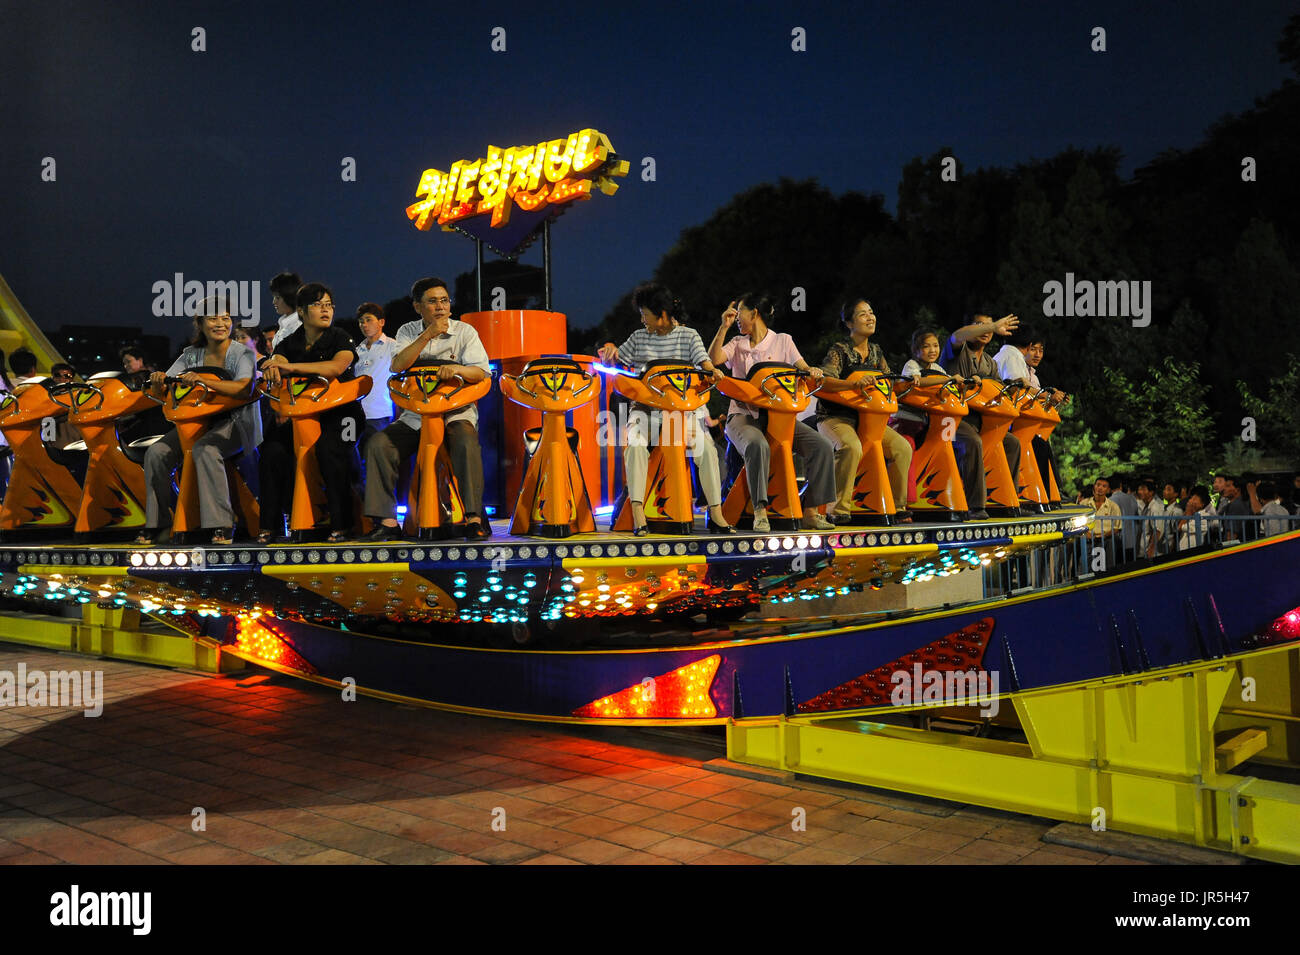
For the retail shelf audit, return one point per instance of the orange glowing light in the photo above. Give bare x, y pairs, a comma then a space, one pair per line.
683, 693
256, 639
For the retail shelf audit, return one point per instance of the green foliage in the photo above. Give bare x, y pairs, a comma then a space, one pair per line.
1082, 457
1167, 413
1240, 457
1276, 433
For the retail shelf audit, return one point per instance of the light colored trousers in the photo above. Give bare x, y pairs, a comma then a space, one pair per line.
818, 459
848, 455
209, 460
699, 444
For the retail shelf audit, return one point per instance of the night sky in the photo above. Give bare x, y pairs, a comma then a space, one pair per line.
226, 164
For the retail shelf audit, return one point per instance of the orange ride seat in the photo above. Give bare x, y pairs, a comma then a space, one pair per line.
113, 498
780, 391
997, 410
1034, 418
1053, 419
435, 508
872, 397
193, 409
936, 480
42, 494
677, 390
303, 399
553, 498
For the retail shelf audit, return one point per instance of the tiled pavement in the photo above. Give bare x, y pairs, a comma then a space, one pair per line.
288, 772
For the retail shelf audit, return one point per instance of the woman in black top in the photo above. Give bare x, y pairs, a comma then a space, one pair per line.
317, 348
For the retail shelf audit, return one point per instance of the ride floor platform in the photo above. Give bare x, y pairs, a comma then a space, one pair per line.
287, 772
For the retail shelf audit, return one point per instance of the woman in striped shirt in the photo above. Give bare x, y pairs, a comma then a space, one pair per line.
664, 337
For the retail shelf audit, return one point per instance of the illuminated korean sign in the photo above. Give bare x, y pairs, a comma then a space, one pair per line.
505, 196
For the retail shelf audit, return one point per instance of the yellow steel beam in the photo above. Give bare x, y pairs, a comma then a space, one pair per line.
1135, 753
117, 634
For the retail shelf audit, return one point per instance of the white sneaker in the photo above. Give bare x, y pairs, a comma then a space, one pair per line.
761, 524
813, 521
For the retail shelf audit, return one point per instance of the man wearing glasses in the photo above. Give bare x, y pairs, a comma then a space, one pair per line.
435, 336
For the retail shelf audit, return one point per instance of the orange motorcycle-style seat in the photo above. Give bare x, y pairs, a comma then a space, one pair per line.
435, 509
936, 481
113, 498
304, 399
42, 494
872, 397
1033, 419
677, 390
781, 392
553, 498
1045, 432
997, 410
193, 409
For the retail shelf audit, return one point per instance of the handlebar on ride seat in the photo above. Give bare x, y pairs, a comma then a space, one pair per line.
293, 399
68, 386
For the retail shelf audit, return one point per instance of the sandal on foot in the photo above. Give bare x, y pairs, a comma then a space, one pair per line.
222, 537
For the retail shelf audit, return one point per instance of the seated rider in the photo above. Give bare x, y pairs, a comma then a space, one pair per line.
316, 347
663, 337
757, 343
840, 424
210, 347
964, 354
435, 336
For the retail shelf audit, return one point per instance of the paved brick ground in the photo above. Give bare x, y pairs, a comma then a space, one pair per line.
288, 772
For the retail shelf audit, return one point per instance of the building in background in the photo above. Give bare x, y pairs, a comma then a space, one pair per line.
92, 348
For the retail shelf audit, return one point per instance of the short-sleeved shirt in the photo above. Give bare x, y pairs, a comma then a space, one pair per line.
376, 361
459, 343
842, 360
961, 360
1013, 367
912, 369
1098, 525
331, 341
239, 363
681, 343
740, 356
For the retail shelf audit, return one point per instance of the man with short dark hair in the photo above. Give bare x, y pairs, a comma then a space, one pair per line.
1237, 506
1153, 539
284, 299
23, 364
435, 335
374, 358
964, 354
1104, 512
1128, 507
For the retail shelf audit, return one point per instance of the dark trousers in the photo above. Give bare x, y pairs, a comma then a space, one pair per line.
388, 452
1046, 461
336, 457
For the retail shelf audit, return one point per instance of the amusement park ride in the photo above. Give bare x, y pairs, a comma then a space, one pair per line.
985, 661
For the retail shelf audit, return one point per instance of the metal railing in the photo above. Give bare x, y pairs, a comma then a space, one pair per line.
1126, 543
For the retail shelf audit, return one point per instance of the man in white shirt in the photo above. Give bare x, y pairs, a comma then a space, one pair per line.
284, 299
374, 358
1153, 540
1279, 518
436, 335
